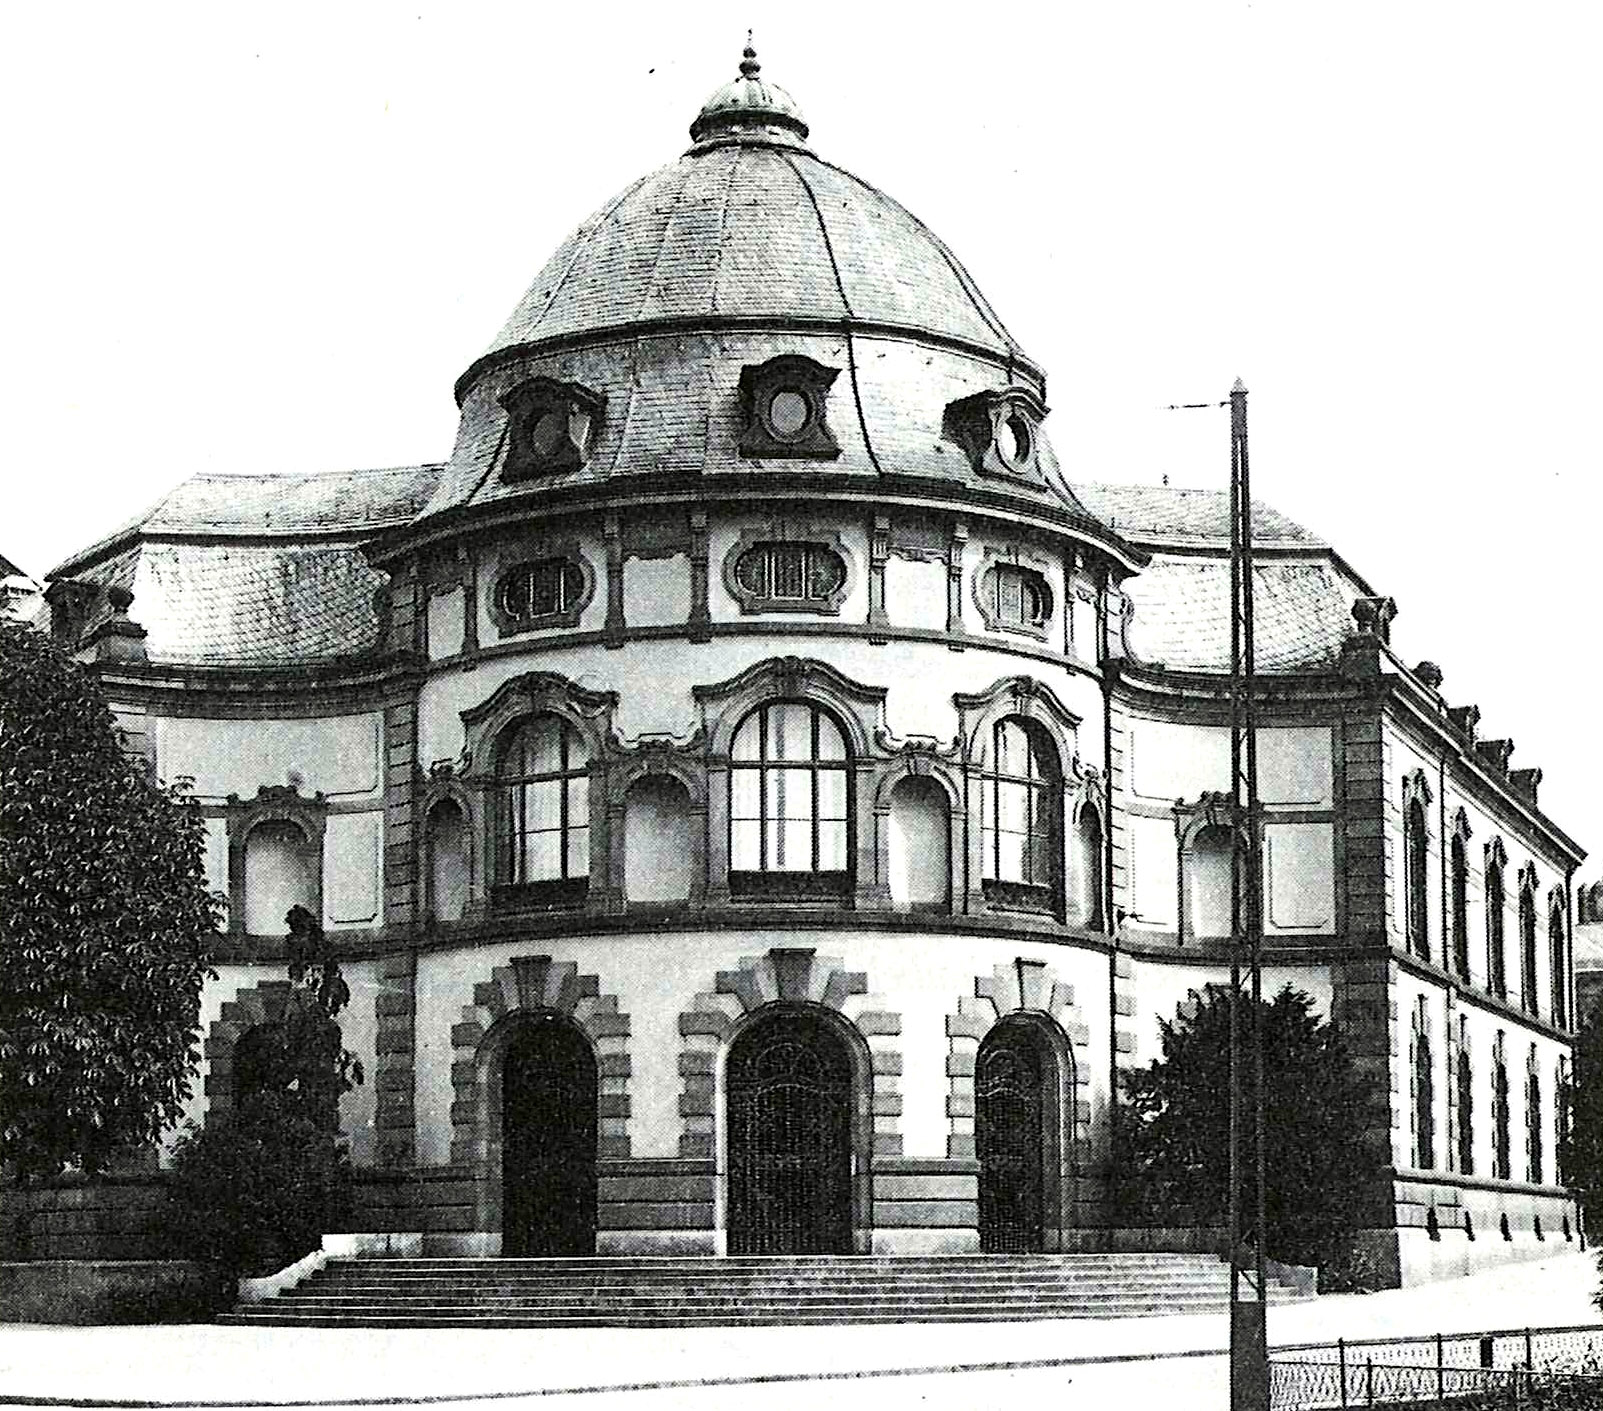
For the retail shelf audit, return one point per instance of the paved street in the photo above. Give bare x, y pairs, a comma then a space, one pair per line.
646, 1369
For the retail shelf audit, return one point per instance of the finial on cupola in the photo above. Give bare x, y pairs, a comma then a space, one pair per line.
749, 67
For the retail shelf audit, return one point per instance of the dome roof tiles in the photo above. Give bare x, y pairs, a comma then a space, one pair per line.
752, 231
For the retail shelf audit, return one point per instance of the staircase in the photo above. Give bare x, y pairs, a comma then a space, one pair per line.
679, 1293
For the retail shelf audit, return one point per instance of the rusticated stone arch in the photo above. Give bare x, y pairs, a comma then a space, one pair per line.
785, 975
529, 985
262, 1003
1028, 987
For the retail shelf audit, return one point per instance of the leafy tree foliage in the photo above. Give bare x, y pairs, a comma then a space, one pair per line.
1175, 1127
1580, 1145
105, 922
257, 1187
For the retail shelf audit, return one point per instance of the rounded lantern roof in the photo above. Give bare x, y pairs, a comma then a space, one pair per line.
751, 226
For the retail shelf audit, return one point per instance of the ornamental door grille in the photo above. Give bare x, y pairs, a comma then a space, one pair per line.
1009, 1090
548, 1142
790, 1128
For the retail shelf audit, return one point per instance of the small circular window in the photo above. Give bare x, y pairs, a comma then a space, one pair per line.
1013, 439
789, 413
546, 434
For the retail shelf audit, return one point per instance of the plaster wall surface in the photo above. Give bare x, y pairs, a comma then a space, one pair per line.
920, 977
333, 755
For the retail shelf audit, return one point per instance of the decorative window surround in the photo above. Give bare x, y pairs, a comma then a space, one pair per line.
274, 803
551, 427
1032, 571
514, 558
784, 406
804, 539
999, 430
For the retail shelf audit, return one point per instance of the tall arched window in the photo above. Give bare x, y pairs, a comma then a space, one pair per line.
1528, 944
543, 789
1459, 902
1496, 961
1501, 1169
789, 803
1424, 1093
1558, 962
1416, 848
1533, 1121
1021, 816
1466, 1106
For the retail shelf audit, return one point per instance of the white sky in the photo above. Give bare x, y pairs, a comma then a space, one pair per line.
268, 237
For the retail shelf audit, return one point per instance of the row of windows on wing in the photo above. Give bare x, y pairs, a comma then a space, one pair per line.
776, 574
791, 807
1464, 1107
1456, 957
784, 405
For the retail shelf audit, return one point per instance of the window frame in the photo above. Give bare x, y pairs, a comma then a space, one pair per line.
783, 884
508, 810
1458, 898
800, 538
987, 590
534, 556
1494, 891
1044, 794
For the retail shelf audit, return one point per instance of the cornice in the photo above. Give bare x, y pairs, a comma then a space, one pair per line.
365, 683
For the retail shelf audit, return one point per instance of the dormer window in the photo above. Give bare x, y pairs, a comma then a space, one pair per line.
784, 404
999, 431
550, 427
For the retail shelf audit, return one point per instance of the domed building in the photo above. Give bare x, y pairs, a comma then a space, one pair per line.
761, 801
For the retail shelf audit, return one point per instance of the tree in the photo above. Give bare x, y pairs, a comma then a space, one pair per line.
257, 1188
1580, 1143
1320, 1171
105, 924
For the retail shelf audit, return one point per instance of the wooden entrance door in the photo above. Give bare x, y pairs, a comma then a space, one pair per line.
548, 1141
790, 1138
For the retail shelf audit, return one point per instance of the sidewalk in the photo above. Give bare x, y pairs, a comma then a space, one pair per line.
202, 1364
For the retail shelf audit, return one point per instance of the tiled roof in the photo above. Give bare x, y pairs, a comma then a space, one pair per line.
357, 502
1158, 514
1181, 613
256, 604
753, 231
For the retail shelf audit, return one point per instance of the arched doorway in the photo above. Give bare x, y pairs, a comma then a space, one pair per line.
789, 1084
1015, 1119
548, 1140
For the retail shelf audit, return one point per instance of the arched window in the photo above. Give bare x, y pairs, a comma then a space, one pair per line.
1466, 1107
1209, 882
1496, 961
1501, 1168
1459, 901
1088, 868
1528, 944
1558, 961
1424, 1093
543, 806
1416, 848
1533, 1120
1021, 816
278, 875
448, 864
789, 803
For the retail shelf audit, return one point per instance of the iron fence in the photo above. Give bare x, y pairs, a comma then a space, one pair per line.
1539, 1368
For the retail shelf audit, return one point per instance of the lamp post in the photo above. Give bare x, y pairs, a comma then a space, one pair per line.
1249, 1354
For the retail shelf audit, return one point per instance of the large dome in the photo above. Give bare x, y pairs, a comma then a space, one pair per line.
751, 225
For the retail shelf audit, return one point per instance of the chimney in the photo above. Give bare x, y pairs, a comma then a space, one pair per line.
118, 638
1465, 719
1524, 782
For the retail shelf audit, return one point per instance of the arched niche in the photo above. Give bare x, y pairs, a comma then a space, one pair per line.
448, 860
661, 856
918, 844
1086, 872
281, 870
1207, 882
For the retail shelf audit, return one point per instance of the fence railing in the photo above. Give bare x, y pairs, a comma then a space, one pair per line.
1556, 1368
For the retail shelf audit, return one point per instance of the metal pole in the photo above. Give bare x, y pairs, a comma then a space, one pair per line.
1249, 1355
